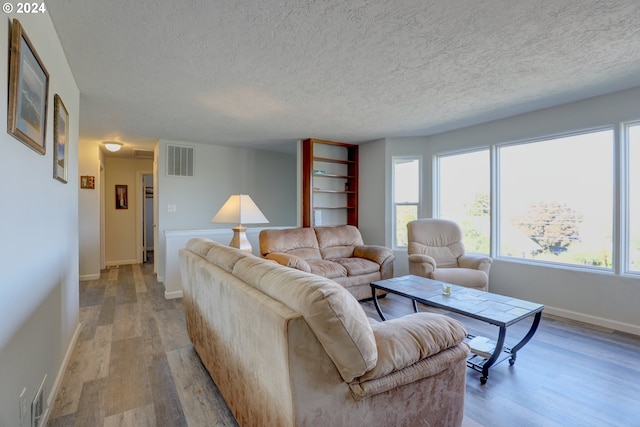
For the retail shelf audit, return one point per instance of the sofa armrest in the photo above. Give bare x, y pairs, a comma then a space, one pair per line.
288, 260
475, 261
375, 253
421, 344
422, 265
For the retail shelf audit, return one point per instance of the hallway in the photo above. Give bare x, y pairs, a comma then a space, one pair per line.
133, 364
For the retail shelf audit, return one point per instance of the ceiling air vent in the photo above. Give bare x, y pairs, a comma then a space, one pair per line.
179, 160
143, 154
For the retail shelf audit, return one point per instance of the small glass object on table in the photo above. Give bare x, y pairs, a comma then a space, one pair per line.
446, 289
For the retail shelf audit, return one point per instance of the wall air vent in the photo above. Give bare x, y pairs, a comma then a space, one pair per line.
143, 154
179, 160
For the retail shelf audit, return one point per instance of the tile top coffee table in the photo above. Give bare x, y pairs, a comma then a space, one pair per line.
495, 309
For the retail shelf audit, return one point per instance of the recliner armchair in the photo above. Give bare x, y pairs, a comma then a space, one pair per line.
436, 251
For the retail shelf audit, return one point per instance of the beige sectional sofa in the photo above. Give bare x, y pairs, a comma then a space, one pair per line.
336, 252
290, 348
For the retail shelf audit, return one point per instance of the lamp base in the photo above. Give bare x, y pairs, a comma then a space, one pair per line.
239, 239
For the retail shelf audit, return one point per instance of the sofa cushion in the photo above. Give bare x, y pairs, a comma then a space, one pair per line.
338, 241
357, 266
375, 253
221, 256
301, 242
200, 245
462, 276
332, 313
326, 268
289, 260
406, 340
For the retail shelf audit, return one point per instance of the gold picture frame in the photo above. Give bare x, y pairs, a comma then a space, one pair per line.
60, 139
28, 92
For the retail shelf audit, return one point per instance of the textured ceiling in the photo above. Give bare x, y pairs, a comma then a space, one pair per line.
266, 72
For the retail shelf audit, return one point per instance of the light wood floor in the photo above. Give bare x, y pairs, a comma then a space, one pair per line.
133, 365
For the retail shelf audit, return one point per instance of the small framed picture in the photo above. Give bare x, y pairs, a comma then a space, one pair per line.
60, 139
122, 198
28, 92
88, 182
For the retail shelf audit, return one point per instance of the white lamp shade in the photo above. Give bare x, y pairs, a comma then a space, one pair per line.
239, 209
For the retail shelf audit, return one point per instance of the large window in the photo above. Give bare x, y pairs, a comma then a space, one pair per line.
556, 199
463, 196
406, 196
633, 190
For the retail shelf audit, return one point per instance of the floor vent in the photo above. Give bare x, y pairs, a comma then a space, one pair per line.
37, 406
179, 160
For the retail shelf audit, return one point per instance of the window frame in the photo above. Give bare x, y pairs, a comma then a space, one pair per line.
624, 241
436, 179
495, 172
394, 205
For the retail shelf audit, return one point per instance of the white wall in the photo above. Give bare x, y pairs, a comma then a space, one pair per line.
38, 237
373, 197
600, 298
89, 212
268, 177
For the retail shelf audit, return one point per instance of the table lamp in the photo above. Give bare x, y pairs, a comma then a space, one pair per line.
238, 209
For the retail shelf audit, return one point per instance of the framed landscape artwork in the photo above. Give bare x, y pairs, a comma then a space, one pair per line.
28, 92
60, 139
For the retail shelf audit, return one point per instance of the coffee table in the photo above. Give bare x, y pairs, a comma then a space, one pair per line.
495, 309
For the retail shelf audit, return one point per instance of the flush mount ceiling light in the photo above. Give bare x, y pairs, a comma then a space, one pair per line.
113, 146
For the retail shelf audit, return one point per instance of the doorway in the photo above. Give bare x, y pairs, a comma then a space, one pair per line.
147, 218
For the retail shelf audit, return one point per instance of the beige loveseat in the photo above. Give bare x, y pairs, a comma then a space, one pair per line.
337, 253
290, 348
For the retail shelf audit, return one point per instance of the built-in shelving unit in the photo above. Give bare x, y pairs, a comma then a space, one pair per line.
329, 183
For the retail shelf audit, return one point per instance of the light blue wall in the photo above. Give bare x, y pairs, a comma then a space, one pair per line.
373, 197
601, 298
270, 178
38, 238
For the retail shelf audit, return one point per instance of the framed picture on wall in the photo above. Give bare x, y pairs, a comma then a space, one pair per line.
60, 139
28, 92
122, 198
88, 182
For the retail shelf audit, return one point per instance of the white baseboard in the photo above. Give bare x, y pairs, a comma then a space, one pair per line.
122, 262
172, 295
593, 320
63, 368
85, 277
